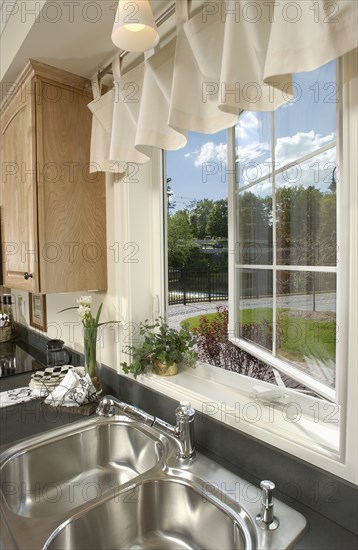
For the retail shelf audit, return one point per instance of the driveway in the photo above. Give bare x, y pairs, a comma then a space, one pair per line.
179, 313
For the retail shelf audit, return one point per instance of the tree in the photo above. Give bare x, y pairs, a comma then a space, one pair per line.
181, 242
333, 184
327, 230
217, 222
255, 229
198, 216
298, 220
171, 204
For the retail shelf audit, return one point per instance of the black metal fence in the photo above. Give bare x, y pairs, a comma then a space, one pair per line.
190, 285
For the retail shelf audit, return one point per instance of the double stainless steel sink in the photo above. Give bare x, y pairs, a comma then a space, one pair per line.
113, 483
56, 475
157, 513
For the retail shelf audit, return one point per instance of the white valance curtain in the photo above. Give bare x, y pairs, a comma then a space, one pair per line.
233, 55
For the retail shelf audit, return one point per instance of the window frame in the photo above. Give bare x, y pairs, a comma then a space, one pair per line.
260, 353
207, 384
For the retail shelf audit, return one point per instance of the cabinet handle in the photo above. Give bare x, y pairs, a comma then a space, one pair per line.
28, 275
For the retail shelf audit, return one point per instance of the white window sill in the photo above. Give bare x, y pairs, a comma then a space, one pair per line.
303, 426
285, 367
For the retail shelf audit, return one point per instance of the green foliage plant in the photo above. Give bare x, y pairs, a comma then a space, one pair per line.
159, 342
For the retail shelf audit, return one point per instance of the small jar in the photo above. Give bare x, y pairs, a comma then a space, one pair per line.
57, 355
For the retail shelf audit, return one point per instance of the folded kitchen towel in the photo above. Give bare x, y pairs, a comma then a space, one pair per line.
20, 395
49, 378
74, 390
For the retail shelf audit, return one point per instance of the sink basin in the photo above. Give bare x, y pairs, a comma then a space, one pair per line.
158, 513
58, 475
116, 483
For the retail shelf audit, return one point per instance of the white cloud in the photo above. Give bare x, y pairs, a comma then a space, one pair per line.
217, 152
249, 120
316, 170
250, 152
293, 147
209, 152
248, 124
255, 159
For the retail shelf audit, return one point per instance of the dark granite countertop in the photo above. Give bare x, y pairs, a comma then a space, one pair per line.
17, 357
31, 418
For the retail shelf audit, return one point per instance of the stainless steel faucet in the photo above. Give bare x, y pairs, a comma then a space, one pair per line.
266, 520
183, 431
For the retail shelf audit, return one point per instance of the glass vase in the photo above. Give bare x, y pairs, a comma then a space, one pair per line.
92, 357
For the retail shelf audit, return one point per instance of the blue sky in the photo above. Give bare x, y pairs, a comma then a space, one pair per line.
302, 126
188, 173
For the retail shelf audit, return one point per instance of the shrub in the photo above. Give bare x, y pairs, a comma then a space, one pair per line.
215, 348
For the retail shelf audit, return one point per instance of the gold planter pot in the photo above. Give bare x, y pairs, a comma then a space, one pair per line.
165, 370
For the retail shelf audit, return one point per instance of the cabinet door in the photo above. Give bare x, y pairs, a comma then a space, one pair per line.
71, 202
18, 178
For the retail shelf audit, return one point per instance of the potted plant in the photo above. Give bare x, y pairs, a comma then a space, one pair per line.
162, 347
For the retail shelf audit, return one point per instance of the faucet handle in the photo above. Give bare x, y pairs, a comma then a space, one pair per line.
267, 487
185, 412
185, 409
266, 519
106, 407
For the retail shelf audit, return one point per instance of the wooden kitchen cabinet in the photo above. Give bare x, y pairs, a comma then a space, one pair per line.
53, 209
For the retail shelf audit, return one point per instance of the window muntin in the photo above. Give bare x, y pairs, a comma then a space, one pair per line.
286, 231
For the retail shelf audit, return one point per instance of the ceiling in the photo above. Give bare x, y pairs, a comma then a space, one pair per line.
74, 36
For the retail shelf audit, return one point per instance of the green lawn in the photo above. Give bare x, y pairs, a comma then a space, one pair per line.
300, 337
308, 338
194, 321
248, 316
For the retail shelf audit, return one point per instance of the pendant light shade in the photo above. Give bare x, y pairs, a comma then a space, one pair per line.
134, 28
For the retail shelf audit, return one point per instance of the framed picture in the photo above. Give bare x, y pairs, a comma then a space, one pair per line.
37, 304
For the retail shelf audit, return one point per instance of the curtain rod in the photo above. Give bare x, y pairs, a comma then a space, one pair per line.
159, 21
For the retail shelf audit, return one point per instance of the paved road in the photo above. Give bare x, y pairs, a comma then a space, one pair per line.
178, 313
302, 302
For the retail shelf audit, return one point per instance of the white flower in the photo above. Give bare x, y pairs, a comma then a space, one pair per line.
84, 300
84, 311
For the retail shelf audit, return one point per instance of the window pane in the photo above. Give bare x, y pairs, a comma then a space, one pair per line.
255, 227
306, 322
255, 316
306, 171
286, 216
306, 212
309, 121
254, 149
